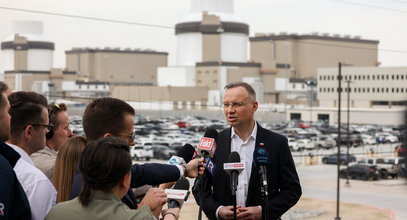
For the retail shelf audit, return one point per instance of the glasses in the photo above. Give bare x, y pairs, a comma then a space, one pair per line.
235, 104
48, 127
131, 136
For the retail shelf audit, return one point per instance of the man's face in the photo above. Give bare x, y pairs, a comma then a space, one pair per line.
127, 131
239, 109
4, 118
37, 141
61, 133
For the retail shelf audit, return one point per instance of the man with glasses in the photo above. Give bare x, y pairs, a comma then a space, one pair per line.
113, 117
45, 159
29, 125
243, 136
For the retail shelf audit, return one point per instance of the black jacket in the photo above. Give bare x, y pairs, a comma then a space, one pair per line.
283, 182
13, 201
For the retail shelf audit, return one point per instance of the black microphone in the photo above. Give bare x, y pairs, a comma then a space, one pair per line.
234, 168
260, 157
183, 156
178, 194
186, 152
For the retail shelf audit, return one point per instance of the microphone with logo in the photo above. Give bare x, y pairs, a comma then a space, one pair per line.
183, 156
206, 148
260, 157
234, 167
178, 194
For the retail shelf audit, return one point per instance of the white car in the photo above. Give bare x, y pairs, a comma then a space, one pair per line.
292, 143
141, 152
305, 144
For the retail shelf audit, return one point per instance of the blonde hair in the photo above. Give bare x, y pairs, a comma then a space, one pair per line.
65, 166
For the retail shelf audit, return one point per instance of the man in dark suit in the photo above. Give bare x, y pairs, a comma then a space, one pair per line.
244, 136
113, 117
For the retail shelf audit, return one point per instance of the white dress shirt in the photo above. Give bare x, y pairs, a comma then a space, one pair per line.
39, 190
245, 150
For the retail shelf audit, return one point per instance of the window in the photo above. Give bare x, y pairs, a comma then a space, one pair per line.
367, 90
373, 77
397, 90
354, 89
363, 90
401, 90
320, 77
392, 77
387, 90
392, 90
387, 77
373, 90
397, 77
382, 89
382, 77
359, 90
320, 89
402, 76
363, 77
367, 77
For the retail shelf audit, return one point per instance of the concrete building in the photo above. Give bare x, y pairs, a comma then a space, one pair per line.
377, 95
115, 65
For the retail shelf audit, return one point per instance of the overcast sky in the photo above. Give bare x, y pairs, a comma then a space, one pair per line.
266, 16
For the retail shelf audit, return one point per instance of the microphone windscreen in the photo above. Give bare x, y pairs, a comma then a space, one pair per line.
211, 133
182, 184
234, 157
186, 152
260, 157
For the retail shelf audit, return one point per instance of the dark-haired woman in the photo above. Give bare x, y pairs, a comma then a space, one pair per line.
105, 165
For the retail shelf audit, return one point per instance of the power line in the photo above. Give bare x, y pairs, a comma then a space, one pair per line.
167, 27
89, 18
371, 6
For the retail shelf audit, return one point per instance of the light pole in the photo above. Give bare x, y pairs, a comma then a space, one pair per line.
311, 83
338, 139
348, 139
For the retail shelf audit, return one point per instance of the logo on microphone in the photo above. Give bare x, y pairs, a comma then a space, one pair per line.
206, 143
210, 166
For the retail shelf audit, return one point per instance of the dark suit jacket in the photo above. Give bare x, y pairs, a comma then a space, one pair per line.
146, 174
283, 183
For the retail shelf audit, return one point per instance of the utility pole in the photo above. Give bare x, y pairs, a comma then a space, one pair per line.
348, 135
338, 139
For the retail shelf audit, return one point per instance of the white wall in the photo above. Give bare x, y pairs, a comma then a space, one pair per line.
176, 76
39, 60
189, 49
233, 47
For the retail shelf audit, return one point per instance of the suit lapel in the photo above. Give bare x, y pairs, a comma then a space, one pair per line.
254, 183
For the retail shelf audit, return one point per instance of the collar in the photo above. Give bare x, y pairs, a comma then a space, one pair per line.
11, 155
252, 135
22, 153
98, 194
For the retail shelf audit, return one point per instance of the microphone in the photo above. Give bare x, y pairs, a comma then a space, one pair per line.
207, 144
260, 157
183, 156
178, 194
233, 167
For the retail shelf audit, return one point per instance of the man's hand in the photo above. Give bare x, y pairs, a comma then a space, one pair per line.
193, 167
226, 212
155, 198
249, 213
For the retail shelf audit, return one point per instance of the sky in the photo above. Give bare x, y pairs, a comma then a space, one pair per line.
383, 20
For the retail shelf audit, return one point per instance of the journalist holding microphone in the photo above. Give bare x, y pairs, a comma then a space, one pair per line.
268, 185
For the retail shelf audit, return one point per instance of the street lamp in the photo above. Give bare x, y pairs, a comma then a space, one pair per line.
339, 138
311, 83
348, 139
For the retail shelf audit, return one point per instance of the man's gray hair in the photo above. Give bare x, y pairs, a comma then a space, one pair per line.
249, 89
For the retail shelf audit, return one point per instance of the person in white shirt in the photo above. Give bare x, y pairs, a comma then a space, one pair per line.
29, 125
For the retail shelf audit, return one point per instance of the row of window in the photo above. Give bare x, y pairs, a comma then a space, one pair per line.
366, 90
365, 77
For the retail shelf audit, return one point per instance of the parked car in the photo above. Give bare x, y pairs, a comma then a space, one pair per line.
141, 152
305, 144
162, 152
391, 166
333, 159
359, 171
292, 143
325, 142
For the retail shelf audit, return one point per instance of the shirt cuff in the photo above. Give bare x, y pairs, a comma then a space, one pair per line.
217, 212
181, 171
